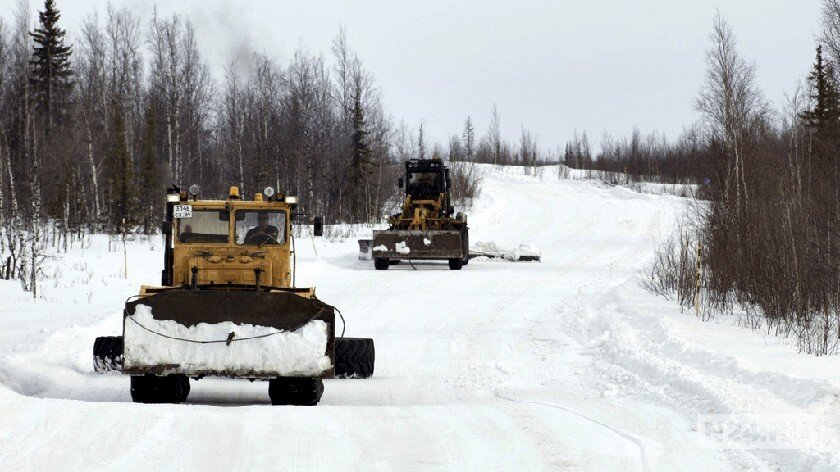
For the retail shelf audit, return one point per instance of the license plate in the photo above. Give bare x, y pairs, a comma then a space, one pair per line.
182, 211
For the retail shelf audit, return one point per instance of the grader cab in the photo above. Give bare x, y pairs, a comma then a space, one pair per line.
227, 306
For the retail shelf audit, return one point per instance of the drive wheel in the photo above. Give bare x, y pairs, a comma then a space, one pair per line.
456, 264
381, 263
354, 358
108, 354
300, 391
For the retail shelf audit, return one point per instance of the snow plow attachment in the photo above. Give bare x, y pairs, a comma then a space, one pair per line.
229, 332
417, 244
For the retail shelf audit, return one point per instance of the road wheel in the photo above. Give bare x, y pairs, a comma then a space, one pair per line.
298, 391
108, 354
381, 263
354, 358
456, 264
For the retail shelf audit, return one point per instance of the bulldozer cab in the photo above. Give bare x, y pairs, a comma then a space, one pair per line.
230, 242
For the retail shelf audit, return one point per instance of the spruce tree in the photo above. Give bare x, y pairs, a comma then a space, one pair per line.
824, 117
421, 145
150, 179
361, 162
51, 73
469, 140
122, 172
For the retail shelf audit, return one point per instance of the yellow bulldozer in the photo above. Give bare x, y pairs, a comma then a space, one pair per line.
227, 306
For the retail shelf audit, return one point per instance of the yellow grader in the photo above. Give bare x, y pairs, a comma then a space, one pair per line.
227, 307
427, 228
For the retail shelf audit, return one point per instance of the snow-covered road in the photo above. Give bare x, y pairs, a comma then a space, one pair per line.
563, 364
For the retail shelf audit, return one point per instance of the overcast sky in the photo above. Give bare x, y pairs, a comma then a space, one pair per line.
553, 67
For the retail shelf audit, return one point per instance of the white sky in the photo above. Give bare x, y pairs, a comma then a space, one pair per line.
551, 66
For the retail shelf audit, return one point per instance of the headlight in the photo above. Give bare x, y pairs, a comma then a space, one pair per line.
173, 198
292, 200
194, 190
268, 192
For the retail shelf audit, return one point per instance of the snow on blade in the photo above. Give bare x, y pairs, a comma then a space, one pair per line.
381, 248
299, 353
402, 248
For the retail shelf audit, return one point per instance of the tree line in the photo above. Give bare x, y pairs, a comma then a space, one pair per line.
94, 131
764, 239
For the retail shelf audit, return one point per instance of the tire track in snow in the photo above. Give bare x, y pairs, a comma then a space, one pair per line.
636, 352
637, 443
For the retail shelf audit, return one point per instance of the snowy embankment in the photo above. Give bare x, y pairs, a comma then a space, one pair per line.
563, 364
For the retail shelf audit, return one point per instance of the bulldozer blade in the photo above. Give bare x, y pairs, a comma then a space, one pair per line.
417, 245
283, 310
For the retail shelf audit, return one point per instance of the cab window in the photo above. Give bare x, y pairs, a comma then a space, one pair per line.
260, 227
205, 226
423, 185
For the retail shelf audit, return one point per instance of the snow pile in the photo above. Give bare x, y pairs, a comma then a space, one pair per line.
490, 249
298, 353
381, 248
365, 253
526, 250
402, 248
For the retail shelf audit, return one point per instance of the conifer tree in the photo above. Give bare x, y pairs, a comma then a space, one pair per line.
150, 178
51, 73
122, 172
421, 145
469, 140
361, 161
824, 117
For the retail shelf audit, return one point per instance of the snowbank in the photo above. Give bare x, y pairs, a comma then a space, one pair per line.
299, 353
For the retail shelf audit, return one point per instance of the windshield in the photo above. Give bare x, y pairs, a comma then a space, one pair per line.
205, 226
423, 185
260, 227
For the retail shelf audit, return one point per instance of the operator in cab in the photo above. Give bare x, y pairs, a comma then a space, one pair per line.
423, 185
263, 233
